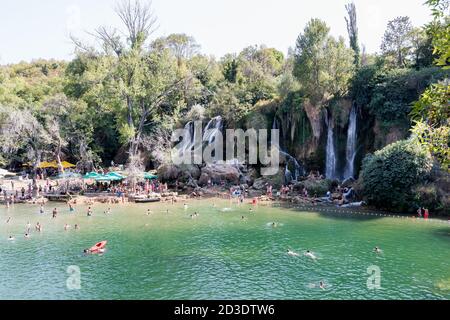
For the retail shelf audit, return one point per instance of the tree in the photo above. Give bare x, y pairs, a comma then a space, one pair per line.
396, 40
323, 65
421, 48
390, 174
21, 131
352, 30
431, 112
182, 46
230, 68
129, 81
440, 31
432, 127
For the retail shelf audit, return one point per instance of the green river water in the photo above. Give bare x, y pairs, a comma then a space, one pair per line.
219, 255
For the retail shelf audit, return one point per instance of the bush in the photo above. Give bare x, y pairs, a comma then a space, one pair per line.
317, 187
389, 176
427, 196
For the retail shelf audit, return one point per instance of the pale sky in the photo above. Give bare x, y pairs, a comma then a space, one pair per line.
31, 29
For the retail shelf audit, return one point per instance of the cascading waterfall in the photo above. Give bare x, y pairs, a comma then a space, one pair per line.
351, 144
208, 134
187, 144
212, 128
298, 170
330, 171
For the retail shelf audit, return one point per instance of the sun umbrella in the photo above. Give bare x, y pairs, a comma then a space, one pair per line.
66, 164
150, 176
116, 175
91, 175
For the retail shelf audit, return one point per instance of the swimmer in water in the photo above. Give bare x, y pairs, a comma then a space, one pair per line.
37, 227
242, 217
28, 226
27, 235
70, 207
274, 225
185, 206
292, 253
41, 209
167, 211
149, 212
192, 217
377, 250
9, 219
66, 227
309, 254
322, 285
250, 209
108, 211
195, 214
76, 227
89, 212
10, 238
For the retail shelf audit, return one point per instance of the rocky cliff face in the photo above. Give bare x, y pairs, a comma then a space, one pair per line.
306, 137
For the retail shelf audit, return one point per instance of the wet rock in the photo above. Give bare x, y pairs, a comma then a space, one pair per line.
218, 173
348, 182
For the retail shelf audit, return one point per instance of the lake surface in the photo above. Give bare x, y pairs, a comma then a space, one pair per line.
219, 255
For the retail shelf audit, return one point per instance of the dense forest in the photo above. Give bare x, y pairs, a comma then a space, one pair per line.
121, 99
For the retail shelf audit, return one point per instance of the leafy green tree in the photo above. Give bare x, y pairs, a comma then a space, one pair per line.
323, 65
396, 40
440, 30
390, 175
432, 127
352, 29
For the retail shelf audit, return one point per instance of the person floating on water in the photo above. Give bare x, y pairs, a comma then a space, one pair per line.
322, 285
377, 250
309, 254
27, 235
292, 253
11, 238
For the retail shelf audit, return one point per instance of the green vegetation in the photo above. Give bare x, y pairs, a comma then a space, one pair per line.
389, 175
121, 100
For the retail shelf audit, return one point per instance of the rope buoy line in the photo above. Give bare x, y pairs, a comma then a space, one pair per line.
379, 214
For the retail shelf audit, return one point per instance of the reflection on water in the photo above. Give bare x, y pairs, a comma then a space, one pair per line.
168, 255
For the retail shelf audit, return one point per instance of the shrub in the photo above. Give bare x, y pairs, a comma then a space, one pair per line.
317, 187
389, 176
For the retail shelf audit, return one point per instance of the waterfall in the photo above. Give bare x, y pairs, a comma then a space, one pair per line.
187, 144
298, 169
351, 144
330, 171
212, 128
208, 134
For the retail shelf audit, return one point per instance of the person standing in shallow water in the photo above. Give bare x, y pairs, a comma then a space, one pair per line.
54, 213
